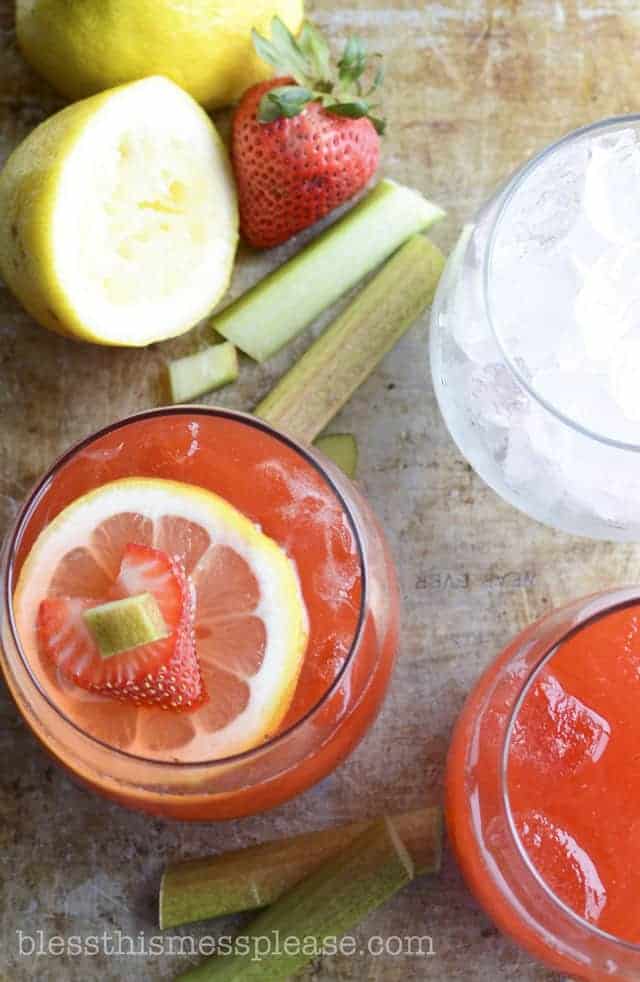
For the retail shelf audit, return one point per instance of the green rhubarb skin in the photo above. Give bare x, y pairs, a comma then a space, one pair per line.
254, 877
274, 311
121, 625
331, 901
310, 394
204, 371
342, 449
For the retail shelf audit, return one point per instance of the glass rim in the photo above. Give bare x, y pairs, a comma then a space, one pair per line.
40, 487
508, 191
593, 618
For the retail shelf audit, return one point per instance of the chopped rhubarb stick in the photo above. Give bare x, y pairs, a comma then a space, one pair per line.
342, 449
310, 394
193, 375
246, 879
276, 309
331, 901
121, 625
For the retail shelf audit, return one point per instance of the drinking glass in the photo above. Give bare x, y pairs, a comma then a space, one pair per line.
482, 821
162, 444
535, 335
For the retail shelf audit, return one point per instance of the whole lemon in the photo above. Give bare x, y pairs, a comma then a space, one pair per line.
84, 46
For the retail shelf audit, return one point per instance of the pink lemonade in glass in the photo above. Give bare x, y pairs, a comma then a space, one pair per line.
543, 788
277, 711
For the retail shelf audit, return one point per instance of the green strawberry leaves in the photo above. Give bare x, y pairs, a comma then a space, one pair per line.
352, 64
308, 60
316, 51
285, 100
356, 110
282, 51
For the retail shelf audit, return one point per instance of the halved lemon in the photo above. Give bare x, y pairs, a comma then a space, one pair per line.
119, 219
251, 623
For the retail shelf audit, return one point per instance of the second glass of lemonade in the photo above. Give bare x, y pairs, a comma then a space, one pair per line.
543, 788
257, 524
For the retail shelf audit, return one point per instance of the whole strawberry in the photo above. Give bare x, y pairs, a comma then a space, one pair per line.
303, 143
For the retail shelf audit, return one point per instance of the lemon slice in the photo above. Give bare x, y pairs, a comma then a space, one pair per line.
251, 623
119, 216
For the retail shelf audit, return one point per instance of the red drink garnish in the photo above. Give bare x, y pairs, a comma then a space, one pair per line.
165, 673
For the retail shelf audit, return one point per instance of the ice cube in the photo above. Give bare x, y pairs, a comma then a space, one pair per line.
532, 303
470, 330
611, 197
496, 396
594, 477
563, 863
584, 397
607, 305
569, 354
546, 204
559, 387
520, 467
597, 479
584, 244
534, 454
624, 377
557, 732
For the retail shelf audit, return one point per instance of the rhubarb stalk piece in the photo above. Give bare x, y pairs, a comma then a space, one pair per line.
310, 394
193, 375
325, 905
121, 625
247, 879
268, 316
342, 449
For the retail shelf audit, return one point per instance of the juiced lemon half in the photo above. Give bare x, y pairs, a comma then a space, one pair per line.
119, 220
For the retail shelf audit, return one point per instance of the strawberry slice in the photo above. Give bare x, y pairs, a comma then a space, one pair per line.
165, 673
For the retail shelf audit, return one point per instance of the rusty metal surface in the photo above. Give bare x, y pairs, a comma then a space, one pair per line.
473, 88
